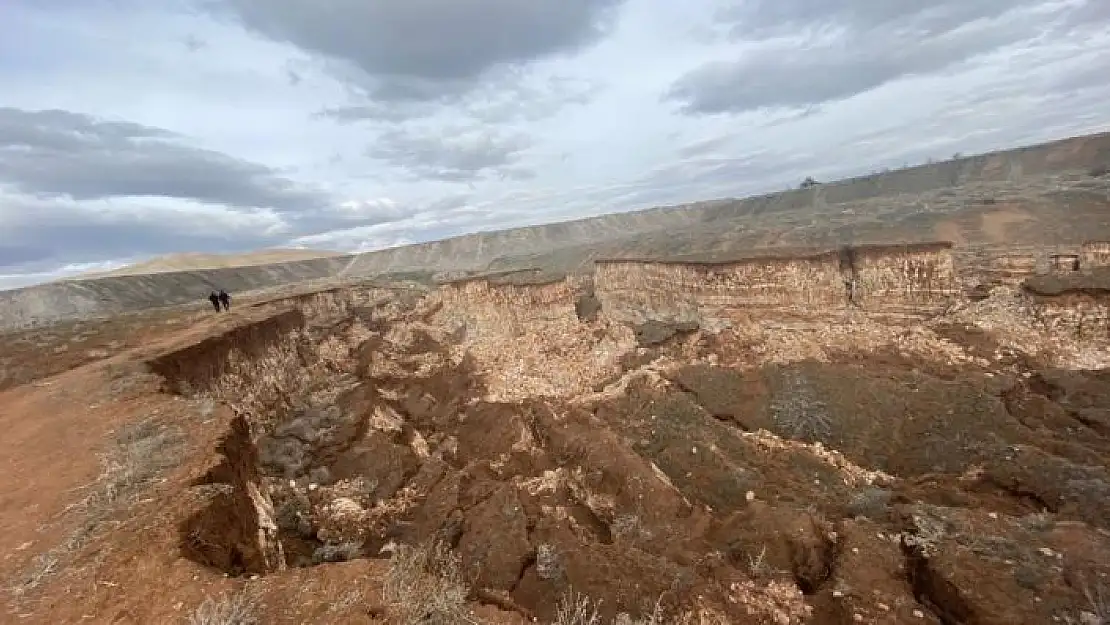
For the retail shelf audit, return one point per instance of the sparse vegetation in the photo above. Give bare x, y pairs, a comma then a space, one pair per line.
870, 502
235, 609
42, 566
1098, 602
140, 453
798, 413
808, 182
757, 563
578, 609
425, 586
341, 552
1097, 608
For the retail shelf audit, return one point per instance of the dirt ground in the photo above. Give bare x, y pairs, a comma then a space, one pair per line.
369, 455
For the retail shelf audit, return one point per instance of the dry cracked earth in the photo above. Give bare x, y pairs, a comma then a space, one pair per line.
381, 454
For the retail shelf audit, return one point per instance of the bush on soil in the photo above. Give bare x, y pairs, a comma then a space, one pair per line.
798, 413
578, 609
236, 609
425, 586
341, 552
141, 452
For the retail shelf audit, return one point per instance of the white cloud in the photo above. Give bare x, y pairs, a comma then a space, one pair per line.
130, 128
17, 280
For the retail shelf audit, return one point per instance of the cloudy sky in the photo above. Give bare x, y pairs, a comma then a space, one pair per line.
131, 128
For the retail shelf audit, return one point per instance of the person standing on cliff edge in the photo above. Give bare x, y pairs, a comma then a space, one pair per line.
215, 299
225, 299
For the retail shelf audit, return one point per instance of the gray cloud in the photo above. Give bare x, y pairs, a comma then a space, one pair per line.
76, 189
452, 156
422, 49
51, 232
797, 53
507, 97
21, 254
59, 153
767, 18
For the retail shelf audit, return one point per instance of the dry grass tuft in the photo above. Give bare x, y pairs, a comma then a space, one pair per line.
1097, 610
236, 609
139, 455
142, 452
425, 586
578, 609
42, 566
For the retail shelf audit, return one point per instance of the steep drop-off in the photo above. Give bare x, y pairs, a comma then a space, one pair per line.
766, 473
912, 278
1075, 304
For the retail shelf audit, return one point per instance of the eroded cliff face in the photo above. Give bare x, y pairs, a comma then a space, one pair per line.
908, 278
260, 365
529, 339
525, 425
294, 365
1094, 254
1012, 269
1075, 304
1083, 316
913, 279
640, 291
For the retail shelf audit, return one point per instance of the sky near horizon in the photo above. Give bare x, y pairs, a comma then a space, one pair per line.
134, 128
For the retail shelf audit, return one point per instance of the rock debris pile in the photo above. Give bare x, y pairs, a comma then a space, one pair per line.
728, 463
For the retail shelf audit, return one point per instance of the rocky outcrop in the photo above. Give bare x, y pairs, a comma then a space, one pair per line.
237, 532
532, 336
506, 302
1012, 269
1075, 305
1094, 254
637, 291
1078, 315
911, 278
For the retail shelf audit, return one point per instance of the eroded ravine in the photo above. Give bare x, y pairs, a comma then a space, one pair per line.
784, 468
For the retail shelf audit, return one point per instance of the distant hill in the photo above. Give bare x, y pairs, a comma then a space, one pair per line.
1053, 195
194, 261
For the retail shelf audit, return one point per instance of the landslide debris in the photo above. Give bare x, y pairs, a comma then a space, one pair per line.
803, 472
